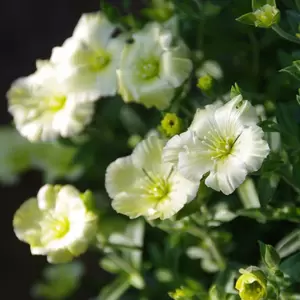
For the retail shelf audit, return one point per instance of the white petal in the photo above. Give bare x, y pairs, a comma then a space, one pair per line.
227, 176
182, 192
95, 29
201, 119
148, 154
177, 144
26, 222
69, 201
158, 93
46, 197
239, 110
133, 203
251, 149
194, 164
121, 175
175, 70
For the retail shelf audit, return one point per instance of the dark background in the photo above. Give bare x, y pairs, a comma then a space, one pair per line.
29, 29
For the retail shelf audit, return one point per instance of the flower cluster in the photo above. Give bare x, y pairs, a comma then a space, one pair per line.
57, 100
197, 144
223, 144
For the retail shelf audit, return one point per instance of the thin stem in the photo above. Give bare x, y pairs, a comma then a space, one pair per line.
289, 181
285, 34
203, 235
122, 246
297, 4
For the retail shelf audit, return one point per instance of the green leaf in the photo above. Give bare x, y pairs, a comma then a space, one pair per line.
269, 126
235, 91
293, 70
269, 256
215, 293
289, 244
291, 267
112, 13
116, 289
248, 19
267, 186
286, 118
256, 4
192, 9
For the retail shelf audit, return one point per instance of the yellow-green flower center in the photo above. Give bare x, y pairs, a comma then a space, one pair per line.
55, 228
99, 60
147, 68
252, 291
219, 147
156, 187
159, 190
56, 103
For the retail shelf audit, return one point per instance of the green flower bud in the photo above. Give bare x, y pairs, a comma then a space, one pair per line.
133, 140
160, 10
171, 125
182, 294
205, 83
266, 16
252, 284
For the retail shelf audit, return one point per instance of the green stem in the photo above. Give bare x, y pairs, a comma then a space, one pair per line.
203, 235
285, 34
122, 246
297, 4
289, 181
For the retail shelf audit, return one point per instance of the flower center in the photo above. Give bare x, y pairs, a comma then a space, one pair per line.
56, 103
159, 190
147, 68
218, 146
157, 187
55, 228
253, 290
99, 61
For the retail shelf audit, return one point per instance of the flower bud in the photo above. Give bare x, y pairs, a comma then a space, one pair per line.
205, 83
252, 284
266, 16
171, 124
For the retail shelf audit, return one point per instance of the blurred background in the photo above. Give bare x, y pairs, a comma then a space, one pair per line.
29, 30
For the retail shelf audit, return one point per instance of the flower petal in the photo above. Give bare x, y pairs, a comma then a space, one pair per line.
121, 175
251, 149
94, 29
237, 109
133, 203
194, 164
227, 175
46, 197
182, 192
148, 155
158, 93
175, 70
178, 143
26, 222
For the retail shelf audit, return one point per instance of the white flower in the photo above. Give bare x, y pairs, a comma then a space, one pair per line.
223, 142
89, 59
44, 109
58, 223
142, 185
152, 68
